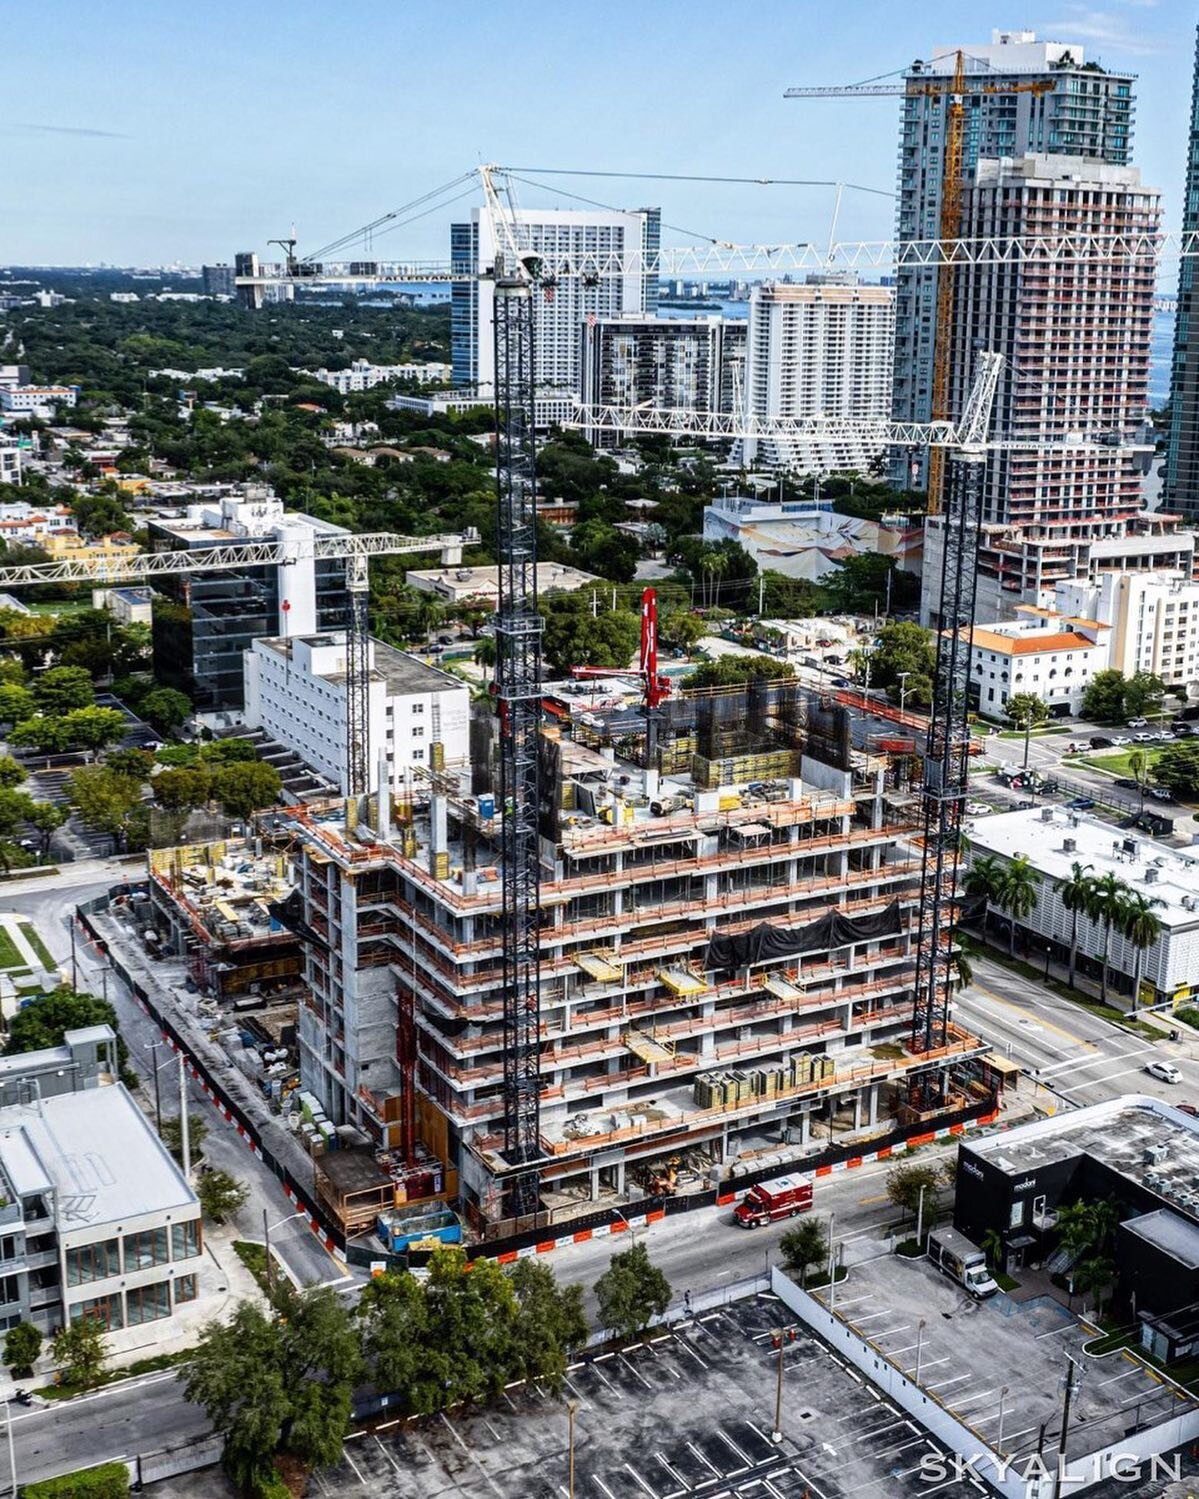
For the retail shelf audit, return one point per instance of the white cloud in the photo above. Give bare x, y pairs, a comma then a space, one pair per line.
1105, 28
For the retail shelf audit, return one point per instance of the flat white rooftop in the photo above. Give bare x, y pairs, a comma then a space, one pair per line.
1054, 839
98, 1151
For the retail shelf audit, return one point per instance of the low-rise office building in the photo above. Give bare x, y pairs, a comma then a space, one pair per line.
41, 401
97, 1219
458, 584
1054, 659
1055, 839
296, 693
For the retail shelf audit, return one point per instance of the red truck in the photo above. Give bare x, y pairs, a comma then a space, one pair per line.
781, 1198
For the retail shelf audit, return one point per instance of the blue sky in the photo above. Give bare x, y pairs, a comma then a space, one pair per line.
137, 132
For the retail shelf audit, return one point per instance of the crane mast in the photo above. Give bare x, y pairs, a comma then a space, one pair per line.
517, 687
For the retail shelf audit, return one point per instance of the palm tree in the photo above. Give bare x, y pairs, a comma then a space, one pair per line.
1138, 764
984, 880
1019, 892
1142, 928
1111, 895
992, 1248
1077, 894
485, 651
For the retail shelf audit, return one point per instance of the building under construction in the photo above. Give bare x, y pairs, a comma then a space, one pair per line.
727, 948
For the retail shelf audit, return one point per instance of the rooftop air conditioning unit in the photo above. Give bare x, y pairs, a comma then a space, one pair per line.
1069, 845
1156, 1154
1152, 875
1046, 814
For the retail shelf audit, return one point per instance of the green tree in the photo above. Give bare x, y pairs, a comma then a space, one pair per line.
1103, 700
907, 1183
103, 798
1019, 892
16, 703
220, 1194
277, 1382
631, 1292
993, 1248
47, 1017
11, 773
574, 638
1026, 711
732, 671
172, 1135
1138, 766
600, 548
484, 653
166, 709
100, 514
903, 653
95, 728
47, 818
550, 1324
1077, 893
1141, 926
1111, 902
805, 1244
22, 1347
984, 881
861, 583
182, 790
1177, 768
681, 630
1143, 693
400, 1355
472, 1312
78, 1350
49, 735
62, 689
244, 788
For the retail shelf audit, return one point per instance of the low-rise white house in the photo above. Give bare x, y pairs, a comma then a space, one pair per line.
296, 693
1052, 657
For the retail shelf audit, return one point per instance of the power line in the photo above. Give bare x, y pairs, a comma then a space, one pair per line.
697, 177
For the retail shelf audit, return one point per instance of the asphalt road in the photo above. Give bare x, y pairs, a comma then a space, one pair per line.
1072, 1057
144, 1416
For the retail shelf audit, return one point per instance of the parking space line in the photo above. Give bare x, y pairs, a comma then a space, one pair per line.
728, 1442
682, 1482
387, 1455
354, 1465
931, 1363
641, 1484
1128, 1374
605, 1487
945, 1383
636, 1373
686, 1348
602, 1376
703, 1459
449, 1426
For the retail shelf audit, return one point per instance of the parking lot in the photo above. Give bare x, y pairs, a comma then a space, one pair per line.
689, 1411
977, 1357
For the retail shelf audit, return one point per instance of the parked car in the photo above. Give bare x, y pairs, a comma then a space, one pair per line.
1187, 1108
1138, 723
1099, 741
1182, 730
1160, 794
954, 1255
1081, 803
1120, 739
1166, 1072
1144, 738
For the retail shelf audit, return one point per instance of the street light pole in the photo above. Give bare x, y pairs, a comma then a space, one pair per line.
571, 1407
999, 1433
903, 688
1061, 1445
157, 1091
920, 1217
920, 1347
266, 1244
832, 1265
184, 1129
74, 965
777, 1434
12, 1451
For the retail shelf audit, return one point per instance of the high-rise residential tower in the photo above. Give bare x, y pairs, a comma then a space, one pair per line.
1181, 489
1088, 114
820, 349
564, 307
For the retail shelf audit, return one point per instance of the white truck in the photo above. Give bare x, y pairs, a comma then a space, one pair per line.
954, 1255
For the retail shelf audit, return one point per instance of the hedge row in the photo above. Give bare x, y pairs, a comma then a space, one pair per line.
108, 1481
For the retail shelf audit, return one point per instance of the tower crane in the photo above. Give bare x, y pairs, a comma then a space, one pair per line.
953, 89
518, 275
354, 550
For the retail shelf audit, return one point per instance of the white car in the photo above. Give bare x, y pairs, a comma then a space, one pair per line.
1120, 739
1144, 738
978, 809
1165, 1071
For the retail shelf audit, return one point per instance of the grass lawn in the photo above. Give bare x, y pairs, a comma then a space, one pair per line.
253, 1257
111, 1376
10, 956
69, 607
39, 947
1116, 762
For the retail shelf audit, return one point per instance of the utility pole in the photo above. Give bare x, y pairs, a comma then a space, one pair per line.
184, 1133
920, 1216
920, 1348
74, 965
761, 592
1071, 1372
571, 1407
777, 1434
999, 1433
266, 1244
12, 1451
832, 1265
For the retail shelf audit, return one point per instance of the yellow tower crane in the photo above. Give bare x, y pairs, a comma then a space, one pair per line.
954, 88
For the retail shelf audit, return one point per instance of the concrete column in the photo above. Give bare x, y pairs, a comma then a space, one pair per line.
857, 1109
873, 1095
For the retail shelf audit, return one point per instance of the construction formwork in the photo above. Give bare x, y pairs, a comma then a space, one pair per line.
762, 927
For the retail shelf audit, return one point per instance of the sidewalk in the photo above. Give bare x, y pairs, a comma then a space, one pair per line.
224, 1281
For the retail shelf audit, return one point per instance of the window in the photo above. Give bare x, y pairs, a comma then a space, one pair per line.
145, 1249
105, 1309
185, 1289
1017, 1217
148, 1303
88, 1262
185, 1240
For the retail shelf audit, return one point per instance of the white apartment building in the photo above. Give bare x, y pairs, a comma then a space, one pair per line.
363, 375
21, 521
10, 460
819, 350
41, 401
295, 690
1053, 658
1154, 620
564, 308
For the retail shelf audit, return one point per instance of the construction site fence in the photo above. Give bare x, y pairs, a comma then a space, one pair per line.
565, 1227
303, 1195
